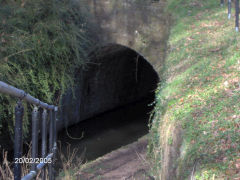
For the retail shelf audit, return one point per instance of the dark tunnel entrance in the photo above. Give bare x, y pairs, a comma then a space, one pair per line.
117, 93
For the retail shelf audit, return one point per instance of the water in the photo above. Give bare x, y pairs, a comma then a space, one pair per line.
108, 131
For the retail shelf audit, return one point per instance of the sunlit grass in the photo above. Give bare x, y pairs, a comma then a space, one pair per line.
201, 91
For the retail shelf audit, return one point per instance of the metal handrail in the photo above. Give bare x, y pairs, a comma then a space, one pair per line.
18, 93
18, 140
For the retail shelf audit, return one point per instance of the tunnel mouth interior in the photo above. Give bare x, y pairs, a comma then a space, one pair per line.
121, 83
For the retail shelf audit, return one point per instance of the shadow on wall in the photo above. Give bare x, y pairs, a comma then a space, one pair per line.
114, 76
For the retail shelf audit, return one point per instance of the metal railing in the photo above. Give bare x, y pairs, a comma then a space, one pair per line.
46, 159
236, 12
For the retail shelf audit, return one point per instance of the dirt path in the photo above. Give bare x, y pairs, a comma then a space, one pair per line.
126, 163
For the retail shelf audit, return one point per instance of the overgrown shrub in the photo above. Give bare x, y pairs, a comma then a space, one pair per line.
42, 45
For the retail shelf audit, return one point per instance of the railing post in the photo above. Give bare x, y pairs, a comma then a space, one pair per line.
44, 141
237, 15
50, 169
222, 2
35, 121
36, 165
55, 128
18, 139
229, 8
54, 141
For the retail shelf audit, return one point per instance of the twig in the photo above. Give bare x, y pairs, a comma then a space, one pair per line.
74, 138
19, 52
7, 165
193, 171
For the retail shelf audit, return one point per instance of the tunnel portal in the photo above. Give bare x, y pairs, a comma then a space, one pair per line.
114, 76
118, 86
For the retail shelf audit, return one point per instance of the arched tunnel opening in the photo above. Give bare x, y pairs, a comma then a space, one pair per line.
113, 105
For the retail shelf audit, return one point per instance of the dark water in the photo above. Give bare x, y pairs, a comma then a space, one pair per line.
108, 131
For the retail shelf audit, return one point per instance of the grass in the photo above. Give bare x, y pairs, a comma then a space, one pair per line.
71, 162
200, 93
6, 167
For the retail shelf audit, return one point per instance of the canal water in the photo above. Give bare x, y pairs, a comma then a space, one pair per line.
107, 132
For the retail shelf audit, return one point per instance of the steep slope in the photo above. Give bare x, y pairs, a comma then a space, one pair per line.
195, 132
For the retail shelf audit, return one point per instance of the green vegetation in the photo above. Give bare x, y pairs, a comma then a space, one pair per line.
200, 94
42, 46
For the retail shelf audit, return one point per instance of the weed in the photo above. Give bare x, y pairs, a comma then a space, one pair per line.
71, 162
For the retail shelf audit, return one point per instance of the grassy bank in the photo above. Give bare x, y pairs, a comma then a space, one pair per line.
195, 131
42, 46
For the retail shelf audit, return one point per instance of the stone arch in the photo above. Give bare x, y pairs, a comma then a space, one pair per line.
114, 76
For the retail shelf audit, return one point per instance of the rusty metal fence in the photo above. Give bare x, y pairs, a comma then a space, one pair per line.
48, 116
